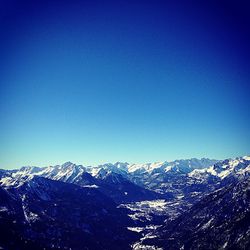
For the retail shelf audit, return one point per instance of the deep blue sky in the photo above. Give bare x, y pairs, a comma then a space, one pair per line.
139, 81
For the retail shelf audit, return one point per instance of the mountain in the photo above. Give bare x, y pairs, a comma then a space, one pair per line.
145, 175
229, 167
43, 213
221, 220
123, 190
185, 180
109, 180
160, 177
183, 204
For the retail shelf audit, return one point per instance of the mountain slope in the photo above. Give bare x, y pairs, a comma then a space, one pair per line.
122, 190
43, 213
220, 220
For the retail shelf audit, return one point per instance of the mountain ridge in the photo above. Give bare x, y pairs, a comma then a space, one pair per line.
150, 201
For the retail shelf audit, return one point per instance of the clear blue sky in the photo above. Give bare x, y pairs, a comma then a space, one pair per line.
91, 82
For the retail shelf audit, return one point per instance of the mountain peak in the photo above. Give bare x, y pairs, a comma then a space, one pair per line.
68, 164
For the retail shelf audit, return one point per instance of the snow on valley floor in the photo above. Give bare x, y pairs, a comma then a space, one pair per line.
147, 233
150, 215
147, 211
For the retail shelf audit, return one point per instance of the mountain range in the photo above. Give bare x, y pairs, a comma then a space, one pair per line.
183, 204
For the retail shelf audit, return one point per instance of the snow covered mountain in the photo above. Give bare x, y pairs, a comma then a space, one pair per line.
108, 181
231, 167
66, 172
145, 204
70, 172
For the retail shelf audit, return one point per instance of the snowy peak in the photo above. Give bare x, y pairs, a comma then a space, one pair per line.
156, 176
181, 166
102, 170
147, 167
230, 167
70, 172
29, 170
66, 172
68, 164
122, 166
